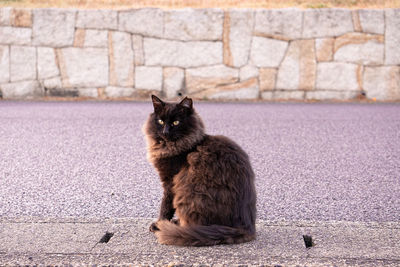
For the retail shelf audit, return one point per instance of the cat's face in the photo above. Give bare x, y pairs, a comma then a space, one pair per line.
172, 121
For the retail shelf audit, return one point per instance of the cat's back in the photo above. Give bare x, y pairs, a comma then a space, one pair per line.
221, 145
219, 154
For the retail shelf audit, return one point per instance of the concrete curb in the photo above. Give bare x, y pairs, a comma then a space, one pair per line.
76, 241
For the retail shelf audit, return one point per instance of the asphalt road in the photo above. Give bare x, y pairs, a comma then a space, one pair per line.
320, 162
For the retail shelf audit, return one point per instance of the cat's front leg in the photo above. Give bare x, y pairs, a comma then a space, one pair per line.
167, 210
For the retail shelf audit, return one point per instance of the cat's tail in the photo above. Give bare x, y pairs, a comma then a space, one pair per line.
200, 235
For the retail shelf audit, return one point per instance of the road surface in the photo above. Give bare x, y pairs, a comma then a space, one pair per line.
319, 163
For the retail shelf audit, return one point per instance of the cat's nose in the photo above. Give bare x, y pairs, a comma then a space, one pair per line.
165, 130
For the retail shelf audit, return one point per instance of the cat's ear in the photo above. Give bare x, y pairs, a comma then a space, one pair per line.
187, 103
158, 104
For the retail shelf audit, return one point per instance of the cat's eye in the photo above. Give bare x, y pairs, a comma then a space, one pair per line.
161, 122
175, 123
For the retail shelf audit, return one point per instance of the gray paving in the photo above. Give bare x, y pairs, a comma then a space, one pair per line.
314, 163
76, 242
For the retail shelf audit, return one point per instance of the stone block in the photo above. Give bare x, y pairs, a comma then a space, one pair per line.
91, 38
337, 76
193, 24
101, 92
97, 19
267, 79
360, 48
238, 91
324, 49
53, 27
173, 81
79, 37
23, 63
5, 16
246, 93
297, 70
203, 78
279, 23
88, 92
145, 21
226, 52
267, 95
83, 67
392, 36
21, 17
356, 21
15, 35
238, 31
52, 83
46, 63
21, 90
190, 54
248, 72
62, 92
4, 64
331, 95
267, 52
148, 78
372, 20
137, 44
382, 83
95, 38
118, 92
326, 22
121, 59
288, 95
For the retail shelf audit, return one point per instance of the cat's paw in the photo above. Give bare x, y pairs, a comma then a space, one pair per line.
153, 227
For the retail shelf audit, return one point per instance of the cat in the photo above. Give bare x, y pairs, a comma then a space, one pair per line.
208, 181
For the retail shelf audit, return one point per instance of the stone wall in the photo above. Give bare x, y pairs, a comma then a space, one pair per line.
204, 53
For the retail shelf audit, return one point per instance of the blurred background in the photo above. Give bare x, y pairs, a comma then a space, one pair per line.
204, 3
334, 50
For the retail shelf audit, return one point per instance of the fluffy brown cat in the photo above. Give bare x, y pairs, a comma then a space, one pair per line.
208, 180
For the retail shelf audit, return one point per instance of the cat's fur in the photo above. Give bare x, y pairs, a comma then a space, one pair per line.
208, 180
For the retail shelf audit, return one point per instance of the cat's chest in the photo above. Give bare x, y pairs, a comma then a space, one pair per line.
170, 166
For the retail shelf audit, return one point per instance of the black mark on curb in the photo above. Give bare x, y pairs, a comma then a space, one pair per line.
106, 237
308, 241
